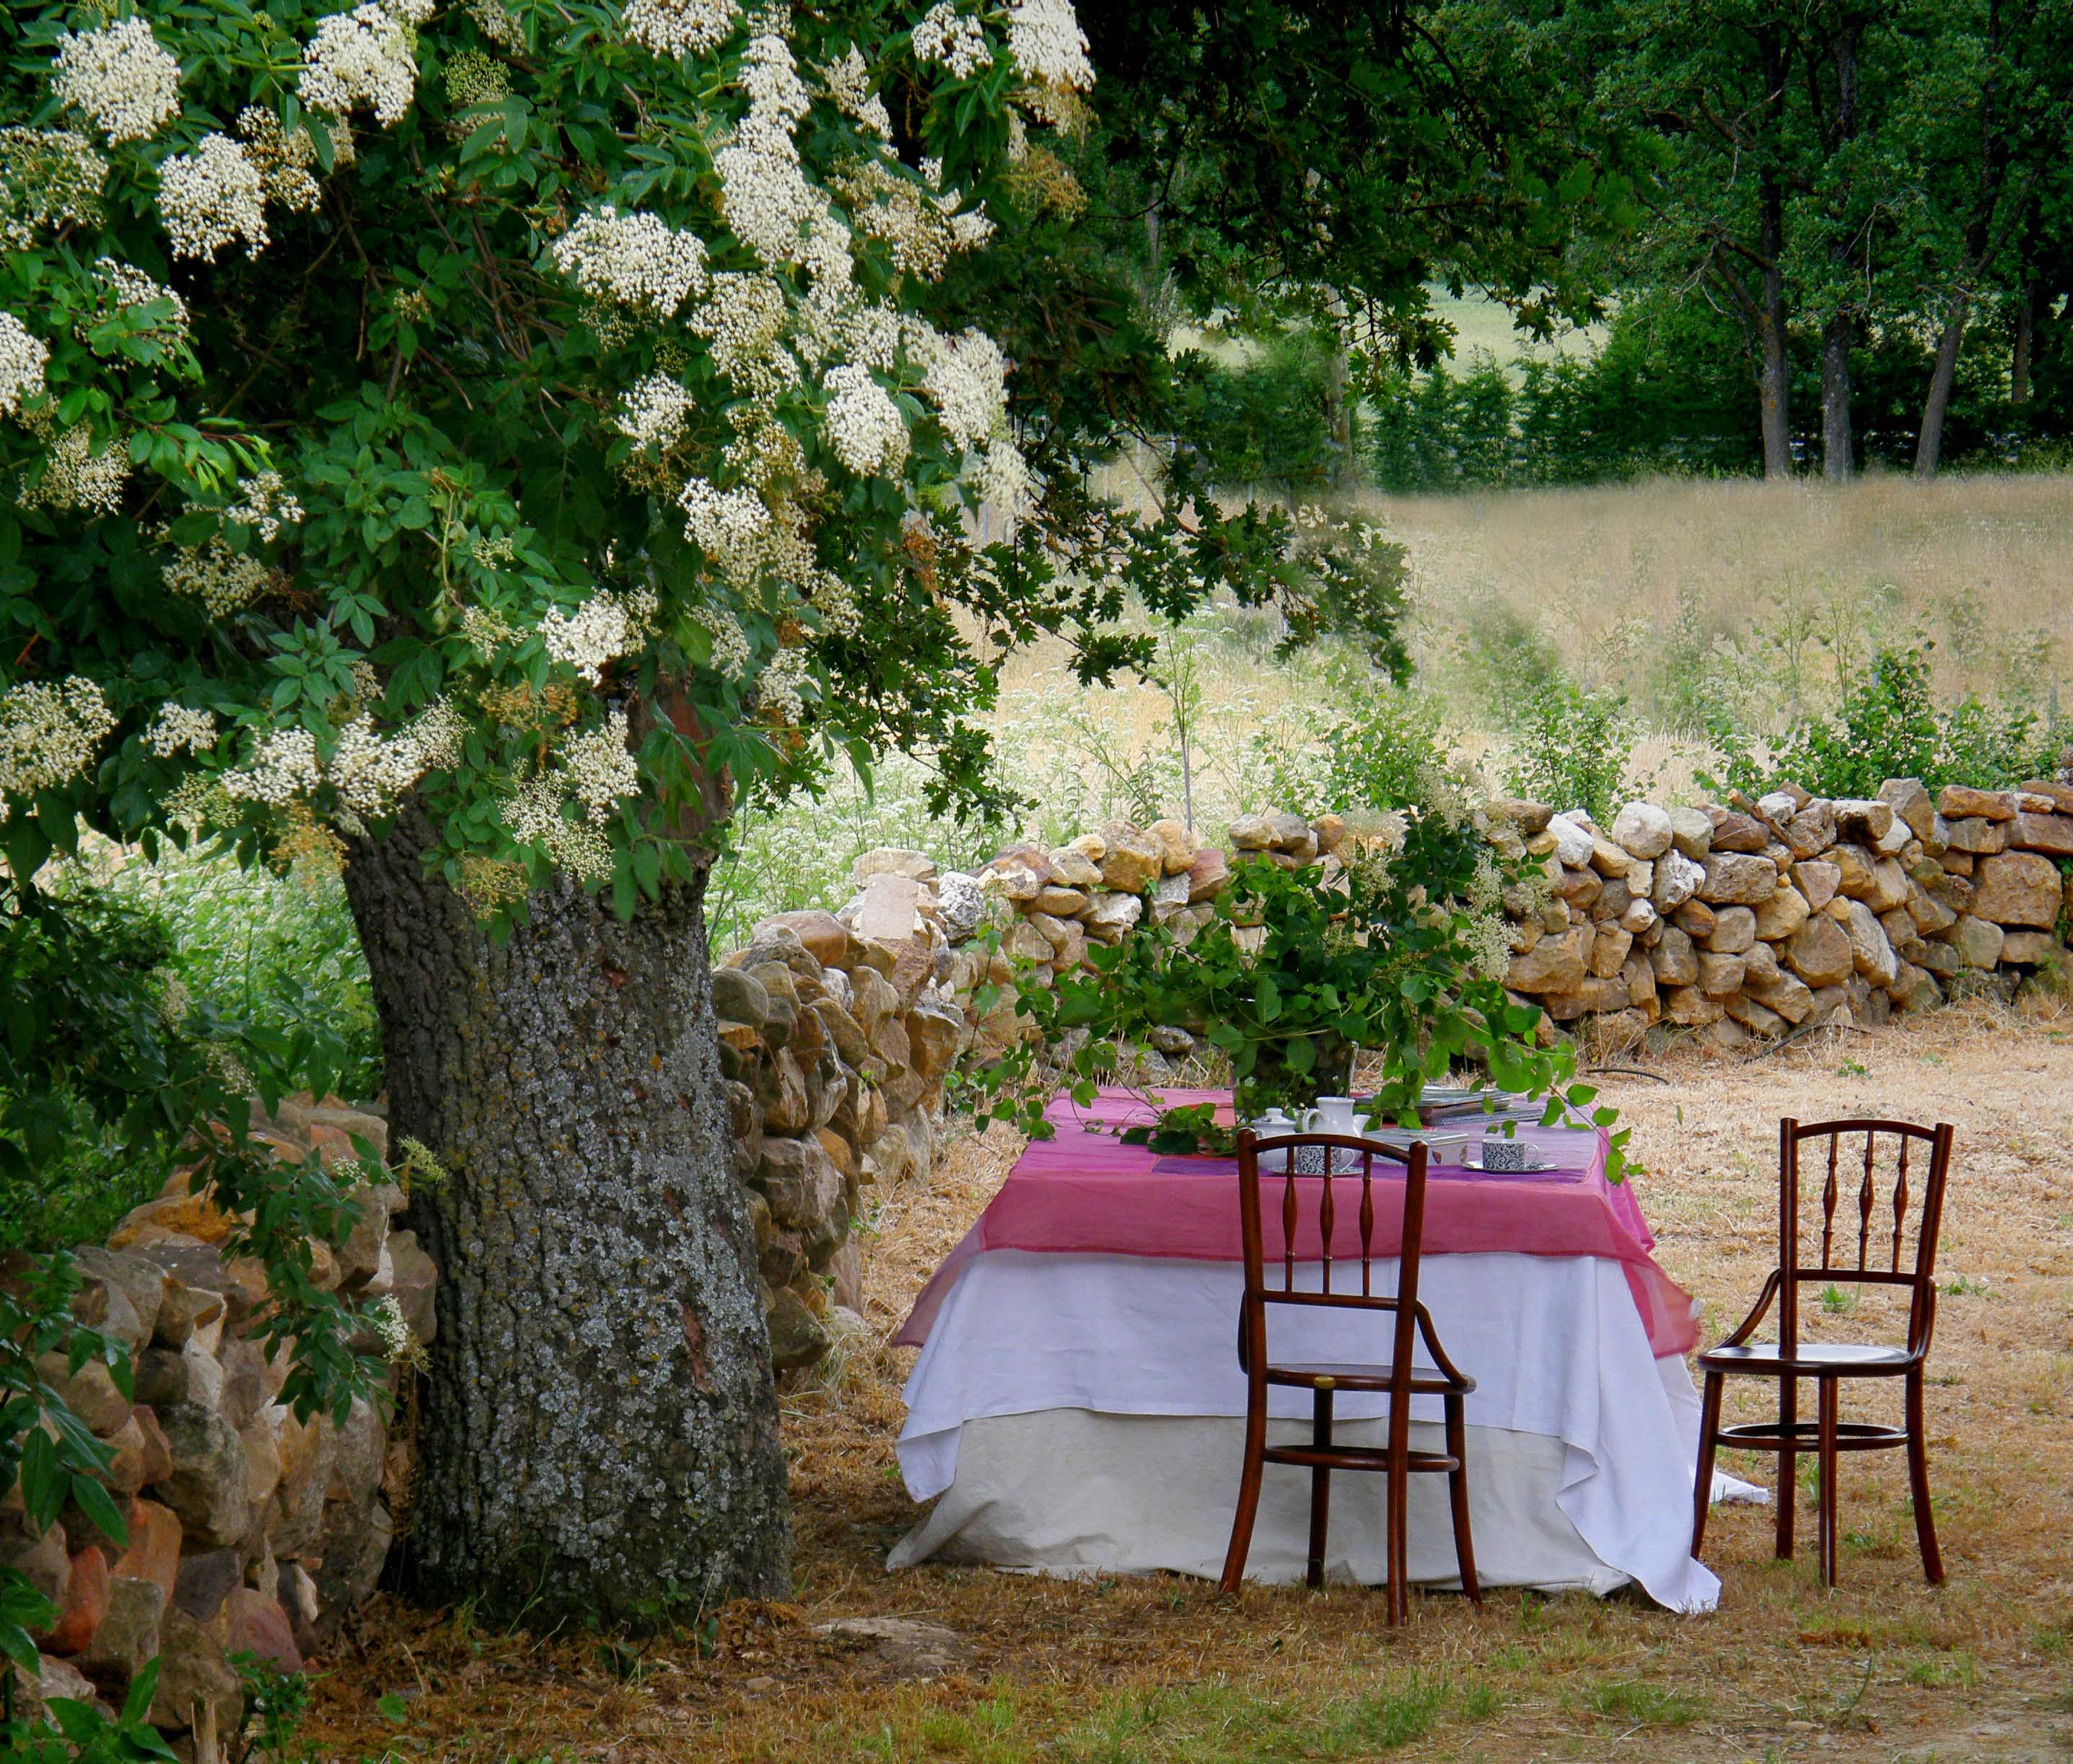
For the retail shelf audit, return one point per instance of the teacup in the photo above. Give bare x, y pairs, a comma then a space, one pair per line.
1500, 1153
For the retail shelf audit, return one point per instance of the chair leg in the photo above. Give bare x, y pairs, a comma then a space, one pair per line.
1398, 1497
1457, 1488
1248, 1490
1829, 1393
1702, 1477
1320, 1484
1918, 1482
1788, 1466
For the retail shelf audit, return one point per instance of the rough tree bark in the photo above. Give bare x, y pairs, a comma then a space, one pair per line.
1773, 368
1837, 463
2022, 347
600, 1430
1929, 442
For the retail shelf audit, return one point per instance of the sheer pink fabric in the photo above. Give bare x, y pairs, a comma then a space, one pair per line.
1084, 1192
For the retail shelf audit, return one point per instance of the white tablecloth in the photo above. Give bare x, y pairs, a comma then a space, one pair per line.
1555, 1344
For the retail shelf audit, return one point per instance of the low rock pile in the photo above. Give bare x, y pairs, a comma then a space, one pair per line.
248, 1531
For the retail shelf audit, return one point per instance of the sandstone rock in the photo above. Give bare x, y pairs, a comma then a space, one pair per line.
141, 1282
55, 1678
1529, 818
1978, 836
1251, 833
1864, 820
1941, 959
2030, 948
1026, 943
1177, 846
193, 1674
1057, 903
1690, 832
2051, 833
1207, 875
892, 860
1677, 880
128, 1636
1888, 886
1782, 914
1734, 930
1911, 803
962, 901
1871, 954
90, 1393
2018, 888
822, 935
207, 1486
1739, 833
183, 1215
1675, 960
84, 1604
1818, 881
1791, 999
1608, 951
1977, 941
1733, 878
1074, 869
259, 1626
43, 1560
1573, 844
1853, 871
1758, 1019
1555, 965
1609, 859
1579, 888
1014, 881
1695, 919
1720, 975
1957, 862
935, 1031
1133, 861
1899, 926
1917, 991
1110, 915
1639, 918
1820, 952
739, 997
1957, 801
1689, 1006
153, 1551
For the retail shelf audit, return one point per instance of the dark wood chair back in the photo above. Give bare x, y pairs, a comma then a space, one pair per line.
1861, 1214
1311, 1208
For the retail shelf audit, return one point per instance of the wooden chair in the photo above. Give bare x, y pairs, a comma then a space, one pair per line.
1792, 1358
1352, 1182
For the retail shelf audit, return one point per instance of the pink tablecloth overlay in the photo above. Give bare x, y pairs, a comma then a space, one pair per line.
1084, 1192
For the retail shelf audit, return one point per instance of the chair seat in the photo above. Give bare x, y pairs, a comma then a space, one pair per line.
1814, 1360
1317, 1375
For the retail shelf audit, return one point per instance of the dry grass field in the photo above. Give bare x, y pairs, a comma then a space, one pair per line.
1144, 1671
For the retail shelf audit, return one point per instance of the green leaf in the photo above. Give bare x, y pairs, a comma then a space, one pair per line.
95, 1502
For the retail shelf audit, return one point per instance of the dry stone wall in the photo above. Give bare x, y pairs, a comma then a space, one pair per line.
1737, 922
247, 1529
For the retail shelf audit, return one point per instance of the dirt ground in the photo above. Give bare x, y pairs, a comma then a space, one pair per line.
967, 1663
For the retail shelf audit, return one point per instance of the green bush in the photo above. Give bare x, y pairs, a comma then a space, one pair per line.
1266, 419
1383, 750
1888, 725
1571, 748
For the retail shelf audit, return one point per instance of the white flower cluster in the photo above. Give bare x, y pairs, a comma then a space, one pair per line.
222, 579
49, 178
1006, 481
440, 734
179, 728
1046, 39
23, 356
731, 527
848, 83
496, 23
534, 815
121, 285
966, 375
780, 689
368, 56
678, 28
120, 77
49, 734
862, 424
211, 196
730, 643
764, 194
922, 226
603, 628
946, 38
638, 258
75, 476
745, 318
369, 770
392, 1330
600, 768
653, 412
264, 502
287, 159
284, 766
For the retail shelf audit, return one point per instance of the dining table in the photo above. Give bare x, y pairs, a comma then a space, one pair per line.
1077, 1407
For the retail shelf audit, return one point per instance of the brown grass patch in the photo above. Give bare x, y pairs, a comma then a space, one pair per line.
1164, 1669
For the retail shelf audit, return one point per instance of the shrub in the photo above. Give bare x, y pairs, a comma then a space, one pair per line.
1571, 747
1266, 419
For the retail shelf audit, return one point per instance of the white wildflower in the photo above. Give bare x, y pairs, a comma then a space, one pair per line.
862, 424
49, 178
730, 526
848, 83
730, 643
967, 379
23, 356
638, 258
369, 770
653, 412
119, 76
264, 502
765, 195
366, 56
124, 287
946, 38
603, 628
600, 768
496, 23
1046, 39
75, 476
486, 630
284, 766
179, 728
835, 601
534, 816
49, 734
745, 317
398, 1346
287, 159
222, 579
440, 735
1488, 941
678, 28
211, 196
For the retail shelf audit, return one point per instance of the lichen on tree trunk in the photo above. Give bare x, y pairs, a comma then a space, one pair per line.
600, 1430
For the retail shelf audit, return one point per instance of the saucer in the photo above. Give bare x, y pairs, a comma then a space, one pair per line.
1536, 1163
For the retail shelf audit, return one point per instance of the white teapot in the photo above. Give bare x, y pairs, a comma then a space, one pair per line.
1273, 1125
1334, 1114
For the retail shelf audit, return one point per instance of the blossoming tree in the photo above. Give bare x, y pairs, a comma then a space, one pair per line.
474, 440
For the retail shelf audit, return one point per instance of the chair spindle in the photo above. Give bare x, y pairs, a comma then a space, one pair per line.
1828, 1208
1865, 1203
1900, 1204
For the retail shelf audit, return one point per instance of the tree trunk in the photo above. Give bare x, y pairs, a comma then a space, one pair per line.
2022, 350
1929, 444
1772, 366
600, 1432
1837, 463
